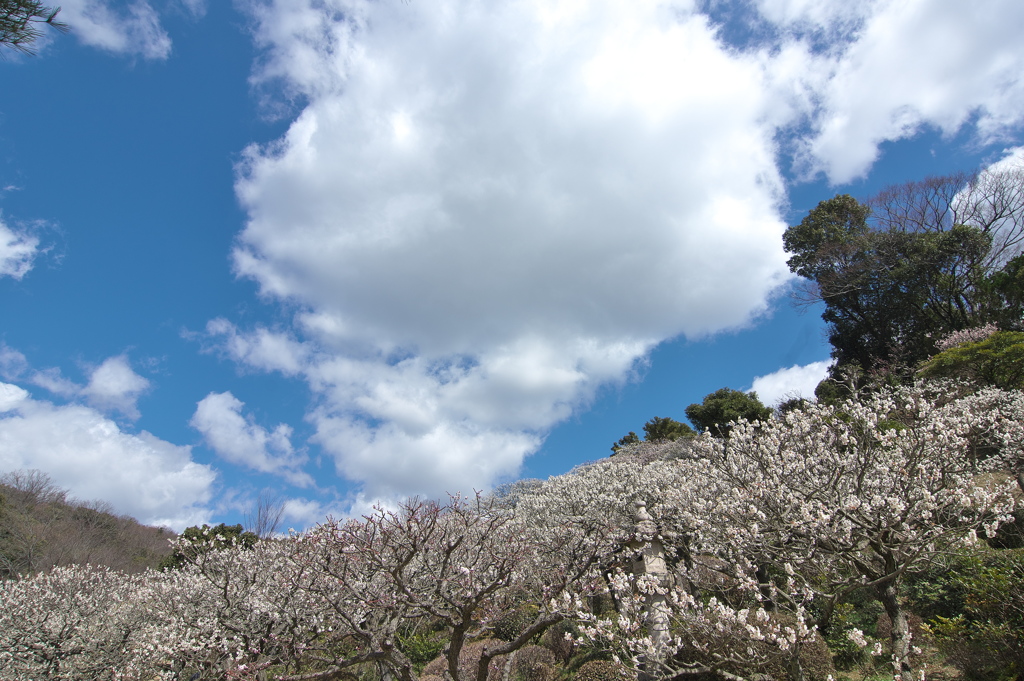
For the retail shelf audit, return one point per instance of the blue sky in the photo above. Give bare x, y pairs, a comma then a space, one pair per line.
347, 251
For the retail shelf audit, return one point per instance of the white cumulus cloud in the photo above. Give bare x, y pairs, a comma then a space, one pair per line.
485, 211
235, 438
83, 451
795, 381
918, 63
261, 349
300, 514
11, 396
113, 385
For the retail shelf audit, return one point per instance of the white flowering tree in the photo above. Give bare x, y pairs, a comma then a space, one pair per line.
712, 550
76, 623
680, 610
706, 636
464, 565
861, 494
237, 611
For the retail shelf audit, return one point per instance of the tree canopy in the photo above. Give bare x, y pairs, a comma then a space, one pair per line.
723, 407
913, 264
196, 540
658, 429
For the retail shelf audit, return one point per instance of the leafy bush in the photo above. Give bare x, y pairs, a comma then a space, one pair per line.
421, 648
846, 654
512, 623
534, 663
601, 670
975, 610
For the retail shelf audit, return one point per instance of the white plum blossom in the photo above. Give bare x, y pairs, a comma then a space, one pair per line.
713, 551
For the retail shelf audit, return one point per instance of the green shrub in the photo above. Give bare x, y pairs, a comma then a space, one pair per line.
974, 606
421, 648
601, 670
512, 623
534, 663
555, 639
858, 610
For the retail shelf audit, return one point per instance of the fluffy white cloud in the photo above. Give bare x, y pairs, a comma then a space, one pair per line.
113, 385
301, 514
261, 349
937, 63
18, 250
794, 381
11, 396
219, 418
131, 29
1012, 161
83, 451
485, 211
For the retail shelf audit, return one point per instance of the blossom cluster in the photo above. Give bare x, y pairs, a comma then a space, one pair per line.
971, 335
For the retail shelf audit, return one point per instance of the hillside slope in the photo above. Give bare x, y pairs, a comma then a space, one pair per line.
40, 527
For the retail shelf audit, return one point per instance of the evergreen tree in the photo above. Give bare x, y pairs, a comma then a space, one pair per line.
722, 408
20, 22
913, 264
658, 429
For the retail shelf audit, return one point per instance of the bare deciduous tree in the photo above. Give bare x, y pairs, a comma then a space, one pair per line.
264, 518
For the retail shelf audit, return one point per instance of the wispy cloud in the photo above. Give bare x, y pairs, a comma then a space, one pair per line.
18, 251
132, 29
113, 386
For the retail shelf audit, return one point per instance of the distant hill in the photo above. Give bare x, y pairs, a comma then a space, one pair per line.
40, 527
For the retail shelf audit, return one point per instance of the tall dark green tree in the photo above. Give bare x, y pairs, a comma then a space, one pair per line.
21, 23
913, 264
723, 407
